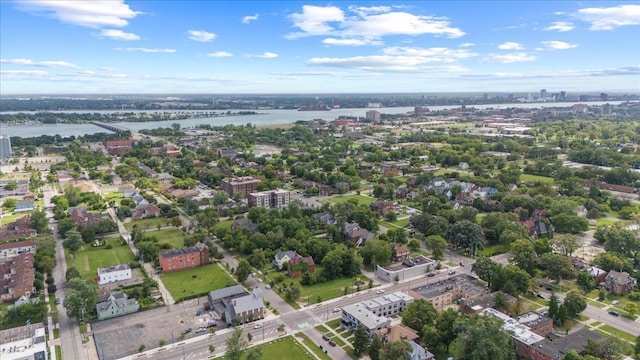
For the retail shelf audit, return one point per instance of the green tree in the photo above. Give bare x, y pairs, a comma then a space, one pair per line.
236, 345
243, 270
575, 304
637, 347
568, 223
40, 222
376, 250
255, 353
73, 242
557, 266
72, 273
586, 281
631, 308
81, 299
293, 292
395, 350
258, 258
467, 235
487, 270
437, 244
524, 255
483, 338
418, 314
566, 243
360, 340
447, 326
554, 306
512, 280
376, 346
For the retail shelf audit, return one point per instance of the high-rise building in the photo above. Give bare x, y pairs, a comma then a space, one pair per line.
373, 115
5, 147
242, 185
563, 96
543, 94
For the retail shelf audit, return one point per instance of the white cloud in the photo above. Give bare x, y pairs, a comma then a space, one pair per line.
108, 68
249, 18
351, 42
425, 55
148, 50
220, 54
624, 71
93, 14
510, 46
119, 35
327, 73
611, 17
466, 45
314, 20
31, 73
561, 26
267, 55
201, 36
389, 63
47, 63
510, 58
366, 24
558, 45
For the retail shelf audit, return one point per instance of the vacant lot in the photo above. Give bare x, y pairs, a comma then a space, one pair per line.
284, 348
361, 199
196, 281
88, 259
536, 178
173, 237
151, 224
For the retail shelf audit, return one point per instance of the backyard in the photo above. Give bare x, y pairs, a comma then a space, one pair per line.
88, 259
151, 223
197, 281
173, 237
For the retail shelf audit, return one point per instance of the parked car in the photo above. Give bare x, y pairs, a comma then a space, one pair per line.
325, 337
380, 291
201, 329
187, 330
452, 272
259, 280
57, 301
615, 302
259, 325
614, 313
431, 274
332, 343
267, 287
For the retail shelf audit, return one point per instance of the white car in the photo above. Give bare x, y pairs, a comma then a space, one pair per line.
259, 325
259, 280
335, 310
380, 292
615, 302
268, 287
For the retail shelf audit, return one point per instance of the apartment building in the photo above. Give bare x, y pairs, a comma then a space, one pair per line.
176, 260
240, 185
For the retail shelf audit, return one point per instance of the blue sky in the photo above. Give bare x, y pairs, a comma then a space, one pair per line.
71, 47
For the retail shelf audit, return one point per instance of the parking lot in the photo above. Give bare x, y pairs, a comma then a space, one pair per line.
123, 335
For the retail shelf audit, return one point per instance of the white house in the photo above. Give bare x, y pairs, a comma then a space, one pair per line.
283, 257
114, 273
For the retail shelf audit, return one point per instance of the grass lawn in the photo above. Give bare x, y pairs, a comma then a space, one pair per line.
366, 200
536, 178
399, 224
535, 299
283, 348
492, 250
313, 346
329, 290
618, 333
226, 224
13, 217
182, 284
173, 237
88, 259
151, 223
596, 304
334, 324
113, 197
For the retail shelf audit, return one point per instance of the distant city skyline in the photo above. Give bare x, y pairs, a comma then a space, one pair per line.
284, 47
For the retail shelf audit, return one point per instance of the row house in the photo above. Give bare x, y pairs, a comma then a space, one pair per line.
20, 228
17, 275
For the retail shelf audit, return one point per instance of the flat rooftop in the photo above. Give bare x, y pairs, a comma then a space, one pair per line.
518, 331
468, 283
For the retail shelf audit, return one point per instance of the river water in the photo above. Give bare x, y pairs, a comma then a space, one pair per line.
264, 117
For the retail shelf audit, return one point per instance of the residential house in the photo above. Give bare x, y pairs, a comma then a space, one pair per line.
325, 218
16, 277
357, 235
115, 304
81, 217
619, 283
382, 207
12, 249
114, 274
127, 190
144, 211
539, 228
24, 206
299, 264
20, 228
190, 257
283, 257
400, 252
536, 322
598, 274
245, 223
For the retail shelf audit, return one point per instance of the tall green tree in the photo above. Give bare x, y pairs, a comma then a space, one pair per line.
243, 270
360, 340
467, 235
39, 221
376, 346
73, 242
483, 338
236, 344
437, 244
255, 353
447, 326
487, 270
524, 255
418, 314
575, 303
395, 350
81, 299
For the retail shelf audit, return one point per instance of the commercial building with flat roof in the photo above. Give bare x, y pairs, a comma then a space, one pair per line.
373, 314
460, 287
24, 343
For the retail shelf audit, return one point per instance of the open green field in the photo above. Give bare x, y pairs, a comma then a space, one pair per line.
328, 290
313, 346
88, 259
226, 224
399, 224
536, 178
362, 200
151, 224
196, 281
493, 250
283, 348
173, 237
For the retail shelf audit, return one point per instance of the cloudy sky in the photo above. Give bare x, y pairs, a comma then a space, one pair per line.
58, 47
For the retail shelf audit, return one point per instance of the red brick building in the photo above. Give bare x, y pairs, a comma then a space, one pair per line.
176, 260
16, 277
81, 217
118, 147
298, 264
240, 185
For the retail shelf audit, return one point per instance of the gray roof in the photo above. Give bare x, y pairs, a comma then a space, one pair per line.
114, 268
365, 316
118, 298
248, 303
282, 254
226, 292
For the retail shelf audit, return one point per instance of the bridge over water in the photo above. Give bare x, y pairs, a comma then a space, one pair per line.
110, 127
